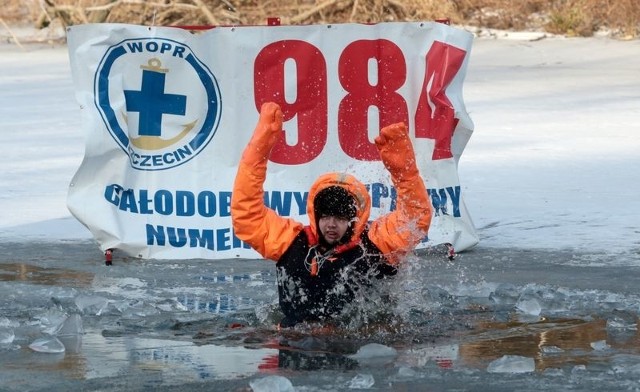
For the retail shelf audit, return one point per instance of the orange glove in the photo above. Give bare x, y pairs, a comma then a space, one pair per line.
266, 134
400, 231
396, 151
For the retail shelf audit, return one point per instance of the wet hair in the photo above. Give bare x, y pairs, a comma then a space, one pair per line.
334, 201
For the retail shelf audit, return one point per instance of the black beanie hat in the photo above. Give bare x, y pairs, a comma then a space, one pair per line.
334, 201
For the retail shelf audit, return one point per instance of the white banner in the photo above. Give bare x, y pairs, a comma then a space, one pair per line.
167, 114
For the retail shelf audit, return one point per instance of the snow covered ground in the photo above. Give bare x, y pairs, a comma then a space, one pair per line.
553, 162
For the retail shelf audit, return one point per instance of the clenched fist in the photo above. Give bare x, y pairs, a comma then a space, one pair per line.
267, 132
396, 151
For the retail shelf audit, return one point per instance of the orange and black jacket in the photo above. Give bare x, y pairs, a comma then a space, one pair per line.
315, 284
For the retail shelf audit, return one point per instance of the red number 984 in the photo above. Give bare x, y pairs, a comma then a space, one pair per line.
434, 114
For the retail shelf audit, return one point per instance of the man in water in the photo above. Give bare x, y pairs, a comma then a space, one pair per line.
322, 265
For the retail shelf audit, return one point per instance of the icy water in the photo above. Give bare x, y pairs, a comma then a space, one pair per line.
493, 319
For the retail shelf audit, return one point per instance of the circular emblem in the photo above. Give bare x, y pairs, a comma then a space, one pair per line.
160, 103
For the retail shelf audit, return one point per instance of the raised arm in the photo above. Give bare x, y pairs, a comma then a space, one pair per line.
400, 231
262, 228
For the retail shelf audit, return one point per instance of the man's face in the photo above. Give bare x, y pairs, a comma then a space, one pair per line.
332, 228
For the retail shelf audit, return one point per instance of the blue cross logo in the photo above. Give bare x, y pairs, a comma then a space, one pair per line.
152, 102
148, 151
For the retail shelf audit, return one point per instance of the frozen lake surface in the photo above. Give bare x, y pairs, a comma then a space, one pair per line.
547, 301
494, 319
